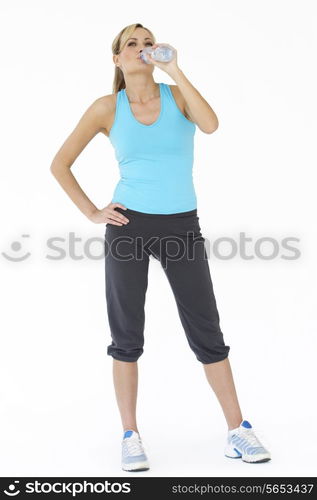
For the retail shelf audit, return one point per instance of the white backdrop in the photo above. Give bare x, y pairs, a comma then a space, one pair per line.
254, 62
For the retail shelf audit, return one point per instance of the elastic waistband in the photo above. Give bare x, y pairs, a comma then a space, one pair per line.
189, 213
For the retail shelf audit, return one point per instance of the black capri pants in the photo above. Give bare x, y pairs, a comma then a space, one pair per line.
176, 241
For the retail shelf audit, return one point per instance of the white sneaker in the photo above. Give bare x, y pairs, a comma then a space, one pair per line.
242, 443
133, 454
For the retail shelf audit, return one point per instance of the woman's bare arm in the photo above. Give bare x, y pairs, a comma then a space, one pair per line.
89, 125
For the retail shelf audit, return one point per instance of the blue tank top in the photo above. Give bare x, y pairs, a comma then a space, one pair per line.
155, 161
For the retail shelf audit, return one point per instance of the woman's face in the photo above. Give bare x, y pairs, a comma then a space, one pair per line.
129, 58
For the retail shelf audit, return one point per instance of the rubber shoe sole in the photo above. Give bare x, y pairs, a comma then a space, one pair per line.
136, 467
232, 452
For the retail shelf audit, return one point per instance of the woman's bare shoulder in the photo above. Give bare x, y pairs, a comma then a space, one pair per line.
105, 107
106, 101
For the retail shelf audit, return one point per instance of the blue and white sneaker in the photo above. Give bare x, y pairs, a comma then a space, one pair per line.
242, 443
133, 454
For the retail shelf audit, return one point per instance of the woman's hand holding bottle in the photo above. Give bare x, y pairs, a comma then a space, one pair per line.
168, 66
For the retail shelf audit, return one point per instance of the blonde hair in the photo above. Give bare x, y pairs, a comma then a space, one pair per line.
117, 45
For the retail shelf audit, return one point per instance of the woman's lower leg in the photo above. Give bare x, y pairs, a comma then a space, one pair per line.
125, 378
219, 376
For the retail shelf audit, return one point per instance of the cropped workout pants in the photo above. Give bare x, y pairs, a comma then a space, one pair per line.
176, 241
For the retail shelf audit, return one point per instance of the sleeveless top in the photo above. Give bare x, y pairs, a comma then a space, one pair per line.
155, 161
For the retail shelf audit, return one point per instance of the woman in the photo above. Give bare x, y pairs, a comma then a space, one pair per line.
151, 127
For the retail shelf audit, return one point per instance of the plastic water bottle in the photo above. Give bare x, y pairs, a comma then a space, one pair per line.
163, 53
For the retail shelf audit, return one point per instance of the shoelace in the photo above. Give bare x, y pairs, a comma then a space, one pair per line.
251, 437
134, 446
